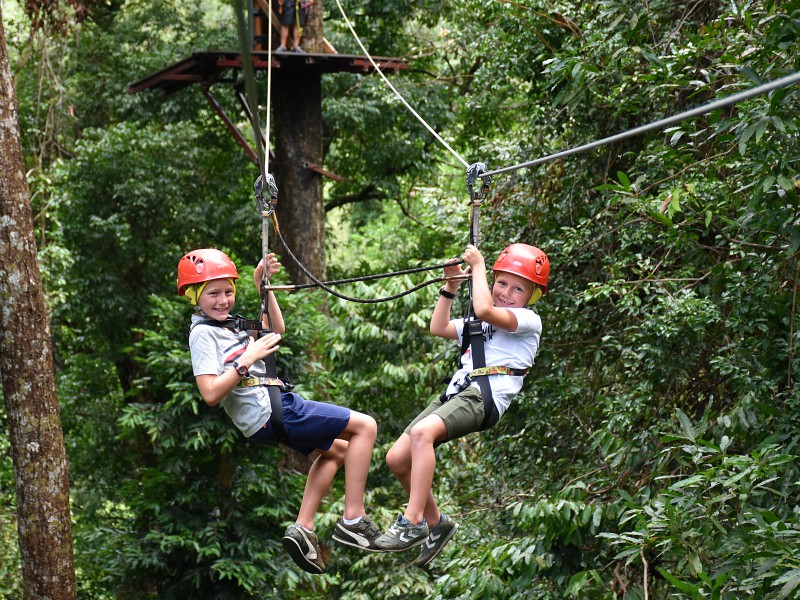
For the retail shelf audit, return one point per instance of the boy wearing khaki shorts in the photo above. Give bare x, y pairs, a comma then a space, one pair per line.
510, 339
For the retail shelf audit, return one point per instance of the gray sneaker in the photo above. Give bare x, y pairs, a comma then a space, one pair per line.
437, 538
303, 547
360, 535
403, 535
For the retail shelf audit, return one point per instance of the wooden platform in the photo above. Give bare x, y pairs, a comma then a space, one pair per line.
212, 66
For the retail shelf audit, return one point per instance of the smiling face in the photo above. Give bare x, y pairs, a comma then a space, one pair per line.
511, 291
217, 299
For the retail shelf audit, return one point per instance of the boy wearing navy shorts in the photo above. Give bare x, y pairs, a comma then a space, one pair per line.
228, 365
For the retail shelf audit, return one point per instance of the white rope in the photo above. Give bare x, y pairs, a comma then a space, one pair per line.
396, 93
269, 92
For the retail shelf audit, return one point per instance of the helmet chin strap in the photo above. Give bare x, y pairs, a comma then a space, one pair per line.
537, 293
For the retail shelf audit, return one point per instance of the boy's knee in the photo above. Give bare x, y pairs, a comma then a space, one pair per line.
421, 434
370, 426
395, 460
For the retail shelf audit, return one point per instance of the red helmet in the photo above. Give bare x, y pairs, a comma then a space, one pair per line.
199, 266
526, 261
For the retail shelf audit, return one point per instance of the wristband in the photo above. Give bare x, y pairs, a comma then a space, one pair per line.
446, 294
240, 369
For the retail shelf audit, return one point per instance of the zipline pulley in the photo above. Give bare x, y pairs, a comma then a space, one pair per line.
476, 198
264, 205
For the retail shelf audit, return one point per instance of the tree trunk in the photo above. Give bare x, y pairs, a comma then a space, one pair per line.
41, 472
312, 32
297, 115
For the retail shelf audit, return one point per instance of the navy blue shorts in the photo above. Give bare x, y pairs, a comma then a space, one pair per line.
309, 425
290, 8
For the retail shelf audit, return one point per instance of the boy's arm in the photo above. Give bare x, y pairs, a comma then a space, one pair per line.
213, 388
482, 303
273, 266
440, 319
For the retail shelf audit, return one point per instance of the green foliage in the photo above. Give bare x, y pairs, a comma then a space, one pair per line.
725, 523
653, 449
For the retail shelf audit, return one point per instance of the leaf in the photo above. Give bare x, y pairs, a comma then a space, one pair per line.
751, 75
681, 585
792, 579
761, 127
688, 481
576, 582
785, 183
686, 425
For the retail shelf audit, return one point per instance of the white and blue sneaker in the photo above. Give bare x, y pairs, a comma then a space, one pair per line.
437, 538
403, 535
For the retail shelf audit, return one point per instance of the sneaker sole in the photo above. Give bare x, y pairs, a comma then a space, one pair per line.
296, 552
354, 544
415, 544
439, 551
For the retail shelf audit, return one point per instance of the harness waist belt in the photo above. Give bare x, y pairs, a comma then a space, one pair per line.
255, 381
498, 371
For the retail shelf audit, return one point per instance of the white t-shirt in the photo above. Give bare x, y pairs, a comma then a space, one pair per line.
502, 348
213, 349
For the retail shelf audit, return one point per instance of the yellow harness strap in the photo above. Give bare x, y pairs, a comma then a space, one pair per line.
498, 371
255, 381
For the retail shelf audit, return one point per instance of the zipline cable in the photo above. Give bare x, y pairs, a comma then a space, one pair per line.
267, 208
706, 108
396, 93
332, 292
269, 90
303, 286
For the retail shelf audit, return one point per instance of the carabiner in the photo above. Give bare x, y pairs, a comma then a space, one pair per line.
474, 172
266, 206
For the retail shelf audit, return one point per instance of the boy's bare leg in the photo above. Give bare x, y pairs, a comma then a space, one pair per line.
360, 432
284, 35
319, 480
423, 465
399, 461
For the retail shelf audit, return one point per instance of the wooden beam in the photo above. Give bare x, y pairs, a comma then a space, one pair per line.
229, 124
323, 172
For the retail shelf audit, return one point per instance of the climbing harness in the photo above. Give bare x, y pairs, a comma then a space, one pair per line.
498, 371
273, 384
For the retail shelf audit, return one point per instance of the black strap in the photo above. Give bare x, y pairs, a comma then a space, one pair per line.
274, 391
236, 322
479, 361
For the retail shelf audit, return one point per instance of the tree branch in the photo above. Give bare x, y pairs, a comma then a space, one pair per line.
368, 193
